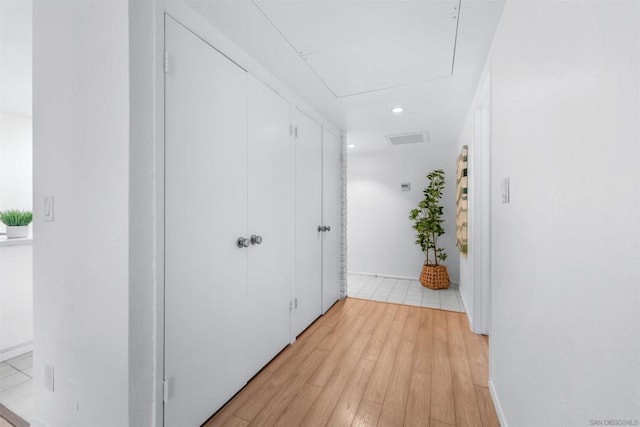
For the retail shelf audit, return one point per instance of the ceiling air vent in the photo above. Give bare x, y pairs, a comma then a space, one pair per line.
408, 138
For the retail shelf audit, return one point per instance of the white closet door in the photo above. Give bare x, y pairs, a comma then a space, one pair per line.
272, 217
308, 281
331, 152
205, 213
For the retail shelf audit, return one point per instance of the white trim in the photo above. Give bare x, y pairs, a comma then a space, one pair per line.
486, 206
158, 270
391, 276
15, 350
466, 312
496, 404
146, 42
20, 241
480, 207
34, 422
638, 94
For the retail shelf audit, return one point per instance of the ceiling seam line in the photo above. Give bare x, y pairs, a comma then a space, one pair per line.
293, 47
455, 41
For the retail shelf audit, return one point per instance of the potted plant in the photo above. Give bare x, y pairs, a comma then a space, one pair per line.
17, 222
428, 223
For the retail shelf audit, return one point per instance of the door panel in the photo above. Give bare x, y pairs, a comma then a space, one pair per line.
205, 212
308, 275
331, 152
272, 216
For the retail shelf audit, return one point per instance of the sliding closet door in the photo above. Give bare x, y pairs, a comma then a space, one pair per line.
331, 152
272, 220
308, 282
205, 213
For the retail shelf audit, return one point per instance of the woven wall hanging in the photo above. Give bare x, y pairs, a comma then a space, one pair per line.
462, 190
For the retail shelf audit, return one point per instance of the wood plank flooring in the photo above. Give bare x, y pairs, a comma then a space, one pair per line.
367, 363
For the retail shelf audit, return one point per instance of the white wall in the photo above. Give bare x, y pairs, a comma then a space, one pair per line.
145, 317
380, 237
565, 344
476, 135
81, 157
16, 300
16, 166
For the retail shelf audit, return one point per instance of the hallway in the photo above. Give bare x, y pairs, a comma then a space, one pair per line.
541, 97
367, 363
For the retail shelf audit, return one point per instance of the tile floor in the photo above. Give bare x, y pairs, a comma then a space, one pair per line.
399, 291
16, 383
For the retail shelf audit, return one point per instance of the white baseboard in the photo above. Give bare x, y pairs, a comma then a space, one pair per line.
15, 350
496, 405
466, 312
391, 276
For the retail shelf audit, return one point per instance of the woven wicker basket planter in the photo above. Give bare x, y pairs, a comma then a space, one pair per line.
434, 276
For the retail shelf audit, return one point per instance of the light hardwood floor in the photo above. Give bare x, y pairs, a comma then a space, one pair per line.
367, 363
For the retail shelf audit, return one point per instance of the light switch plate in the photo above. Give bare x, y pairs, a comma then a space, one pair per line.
48, 208
504, 190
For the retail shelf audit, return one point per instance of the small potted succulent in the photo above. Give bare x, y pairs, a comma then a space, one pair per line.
428, 223
17, 222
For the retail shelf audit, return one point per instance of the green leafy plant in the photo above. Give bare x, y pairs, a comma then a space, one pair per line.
16, 218
427, 219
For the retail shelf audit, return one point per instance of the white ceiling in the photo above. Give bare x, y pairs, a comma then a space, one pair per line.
353, 60
357, 47
326, 50
15, 57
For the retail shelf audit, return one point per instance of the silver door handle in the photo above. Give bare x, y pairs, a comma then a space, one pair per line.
255, 239
320, 228
243, 242
327, 228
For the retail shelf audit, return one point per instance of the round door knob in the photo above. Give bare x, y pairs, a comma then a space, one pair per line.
320, 228
255, 239
327, 228
243, 242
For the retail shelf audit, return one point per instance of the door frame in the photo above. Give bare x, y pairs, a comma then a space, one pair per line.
297, 119
480, 209
338, 226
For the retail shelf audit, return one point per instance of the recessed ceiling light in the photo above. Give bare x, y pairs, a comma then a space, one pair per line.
397, 109
351, 146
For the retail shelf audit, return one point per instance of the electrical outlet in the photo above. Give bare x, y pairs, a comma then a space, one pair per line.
504, 190
73, 388
49, 378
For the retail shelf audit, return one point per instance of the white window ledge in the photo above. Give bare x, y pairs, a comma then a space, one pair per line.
15, 242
